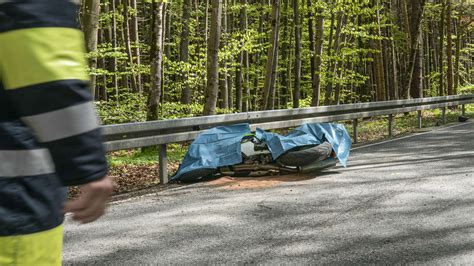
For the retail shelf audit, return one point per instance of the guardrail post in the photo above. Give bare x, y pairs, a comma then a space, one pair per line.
163, 163
390, 125
443, 115
354, 129
419, 118
463, 110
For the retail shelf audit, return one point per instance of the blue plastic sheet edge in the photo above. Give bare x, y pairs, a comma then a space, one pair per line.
221, 146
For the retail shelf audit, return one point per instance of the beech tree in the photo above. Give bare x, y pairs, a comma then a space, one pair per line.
213, 59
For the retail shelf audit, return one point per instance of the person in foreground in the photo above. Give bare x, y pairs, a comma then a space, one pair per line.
49, 132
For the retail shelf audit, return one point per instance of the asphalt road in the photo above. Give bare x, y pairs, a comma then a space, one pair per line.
409, 200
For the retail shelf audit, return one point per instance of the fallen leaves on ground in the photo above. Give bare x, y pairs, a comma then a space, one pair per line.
129, 178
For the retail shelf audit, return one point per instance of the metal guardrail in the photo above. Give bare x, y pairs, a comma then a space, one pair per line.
161, 133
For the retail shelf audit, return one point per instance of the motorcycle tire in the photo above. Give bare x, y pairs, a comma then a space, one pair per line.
196, 175
305, 156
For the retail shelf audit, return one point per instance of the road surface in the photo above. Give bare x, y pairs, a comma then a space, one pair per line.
409, 200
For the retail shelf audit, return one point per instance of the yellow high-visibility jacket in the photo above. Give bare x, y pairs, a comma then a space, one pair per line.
49, 132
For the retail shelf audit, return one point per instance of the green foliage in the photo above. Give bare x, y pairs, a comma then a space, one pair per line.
173, 110
466, 89
129, 107
105, 50
306, 102
148, 156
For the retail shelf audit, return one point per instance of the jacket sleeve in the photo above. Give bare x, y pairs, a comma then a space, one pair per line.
44, 76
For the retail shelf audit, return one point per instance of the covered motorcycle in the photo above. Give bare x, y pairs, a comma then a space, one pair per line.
234, 150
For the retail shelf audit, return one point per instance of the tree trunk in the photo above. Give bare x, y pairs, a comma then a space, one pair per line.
337, 91
114, 48
394, 79
441, 45
297, 84
213, 59
258, 58
167, 39
126, 29
206, 22
90, 20
386, 55
230, 81
332, 69
107, 65
415, 66
238, 74
274, 95
416, 88
122, 66
245, 59
206, 41
156, 60
363, 89
379, 64
238, 82
312, 48
432, 43
136, 40
223, 86
289, 66
449, 48
184, 51
405, 64
427, 64
285, 55
272, 58
459, 33
167, 52
256, 79
379, 73
318, 56
327, 94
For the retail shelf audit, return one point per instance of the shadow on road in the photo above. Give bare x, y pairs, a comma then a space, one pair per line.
407, 201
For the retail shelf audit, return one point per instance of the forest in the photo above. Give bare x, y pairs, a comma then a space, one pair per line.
155, 59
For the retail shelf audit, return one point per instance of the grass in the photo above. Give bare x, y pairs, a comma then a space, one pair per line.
139, 157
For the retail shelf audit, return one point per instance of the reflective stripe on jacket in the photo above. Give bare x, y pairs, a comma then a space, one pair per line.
49, 134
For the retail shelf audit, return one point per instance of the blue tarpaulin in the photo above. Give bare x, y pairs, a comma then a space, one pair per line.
221, 146
309, 134
216, 147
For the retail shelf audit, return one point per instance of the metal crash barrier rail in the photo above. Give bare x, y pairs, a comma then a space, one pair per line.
163, 132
